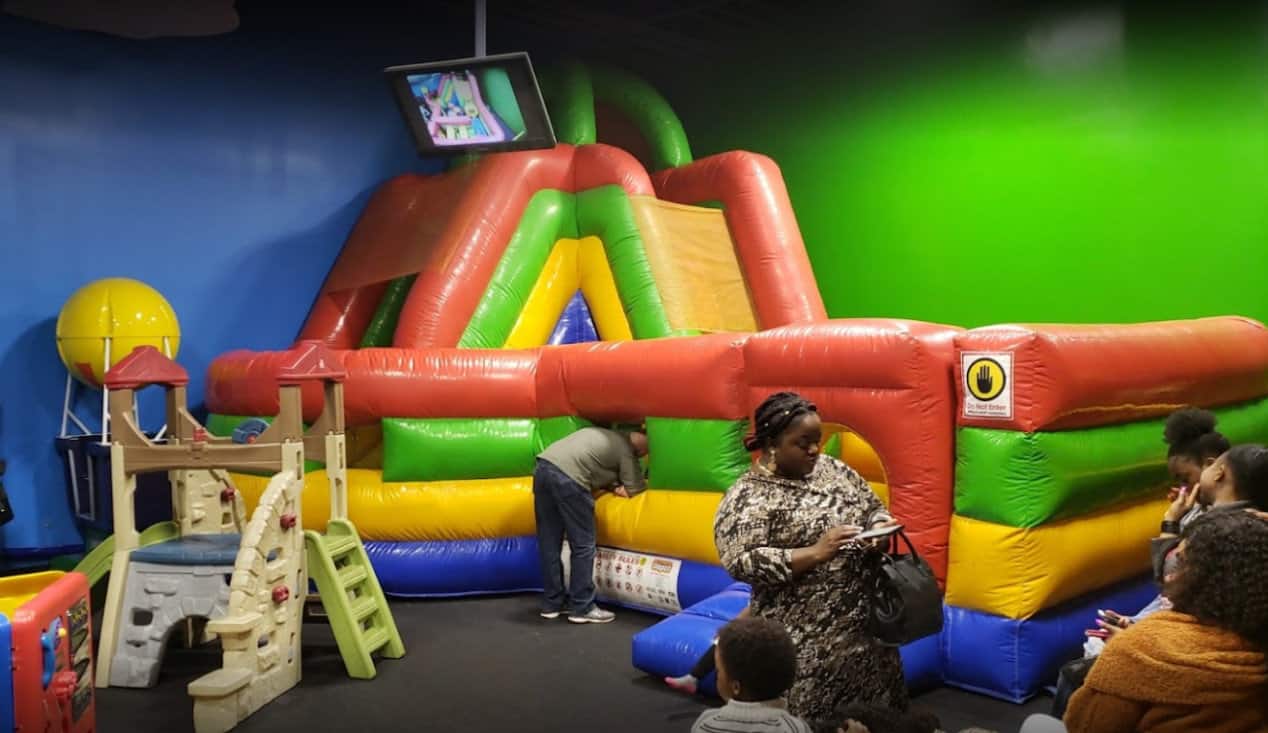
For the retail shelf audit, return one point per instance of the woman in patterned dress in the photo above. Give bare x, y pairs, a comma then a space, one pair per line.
785, 527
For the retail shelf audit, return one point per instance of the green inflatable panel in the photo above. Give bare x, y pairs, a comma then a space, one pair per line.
650, 113
606, 213
571, 91
697, 455
440, 449
832, 446
452, 449
383, 324
1027, 479
570, 101
549, 216
498, 92
553, 429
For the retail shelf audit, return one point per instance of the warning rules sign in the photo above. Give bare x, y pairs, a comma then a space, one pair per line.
632, 577
988, 384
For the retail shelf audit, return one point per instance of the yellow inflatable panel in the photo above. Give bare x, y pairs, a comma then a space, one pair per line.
881, 490
416, 510
594, 275
672, 523
692, 257
859, 455
555, 286
573, 264
1016, 572
856, 452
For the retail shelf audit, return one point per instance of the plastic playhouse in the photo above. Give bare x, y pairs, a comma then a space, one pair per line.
247, 576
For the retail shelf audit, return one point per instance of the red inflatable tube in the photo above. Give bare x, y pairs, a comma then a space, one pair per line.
409, 208
767, 239
699, 377
339, 319
883, 354
1067, 377
890, 382
387, 383
691, 378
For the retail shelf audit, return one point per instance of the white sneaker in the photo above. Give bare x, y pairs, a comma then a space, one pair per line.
595, 615
549, 614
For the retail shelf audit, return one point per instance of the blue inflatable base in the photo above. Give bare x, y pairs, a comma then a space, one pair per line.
1001, 657
1014, 660
507, 565
457, 568
671, 647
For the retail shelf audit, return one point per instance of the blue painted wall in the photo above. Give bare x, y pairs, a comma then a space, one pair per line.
223, 171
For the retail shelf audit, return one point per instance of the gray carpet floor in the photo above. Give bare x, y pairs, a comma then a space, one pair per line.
480, 664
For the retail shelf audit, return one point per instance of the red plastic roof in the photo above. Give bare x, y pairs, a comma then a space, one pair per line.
146, 365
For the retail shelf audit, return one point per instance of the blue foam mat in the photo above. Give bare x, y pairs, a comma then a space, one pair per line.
671, 647
1015, 659
507, 565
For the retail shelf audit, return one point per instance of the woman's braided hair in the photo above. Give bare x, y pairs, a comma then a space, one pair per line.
774, 416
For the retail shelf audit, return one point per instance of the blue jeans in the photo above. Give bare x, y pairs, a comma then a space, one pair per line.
563, 506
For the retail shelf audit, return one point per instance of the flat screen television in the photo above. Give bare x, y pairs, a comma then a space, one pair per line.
486, 104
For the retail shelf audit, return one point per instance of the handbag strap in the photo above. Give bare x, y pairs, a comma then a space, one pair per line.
894, 549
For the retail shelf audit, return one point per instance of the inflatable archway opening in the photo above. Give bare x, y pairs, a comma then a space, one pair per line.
843, 443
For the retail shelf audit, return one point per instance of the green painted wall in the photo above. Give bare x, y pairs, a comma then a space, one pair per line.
1101, 165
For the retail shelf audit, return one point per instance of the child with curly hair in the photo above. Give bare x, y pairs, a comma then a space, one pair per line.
756, 663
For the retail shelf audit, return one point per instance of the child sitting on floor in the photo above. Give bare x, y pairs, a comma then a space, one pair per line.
756, 663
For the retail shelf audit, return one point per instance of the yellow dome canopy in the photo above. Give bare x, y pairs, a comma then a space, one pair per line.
127, 311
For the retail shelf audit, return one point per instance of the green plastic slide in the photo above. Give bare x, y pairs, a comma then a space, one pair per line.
96, 564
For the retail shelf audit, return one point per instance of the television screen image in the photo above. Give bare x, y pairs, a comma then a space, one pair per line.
456, 112
485, 105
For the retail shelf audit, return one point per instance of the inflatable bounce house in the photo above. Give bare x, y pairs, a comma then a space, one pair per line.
485, 312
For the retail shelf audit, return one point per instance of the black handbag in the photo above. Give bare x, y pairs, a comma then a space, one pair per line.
907, 604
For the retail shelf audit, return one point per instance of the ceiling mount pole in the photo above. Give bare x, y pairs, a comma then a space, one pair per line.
480, 17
